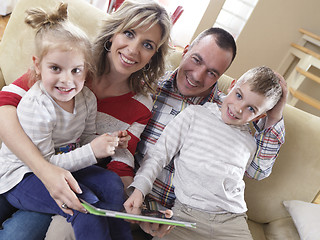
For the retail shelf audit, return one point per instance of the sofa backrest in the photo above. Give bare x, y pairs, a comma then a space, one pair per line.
17, 44
295, 174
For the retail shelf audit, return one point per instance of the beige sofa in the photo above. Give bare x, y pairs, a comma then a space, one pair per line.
296, 173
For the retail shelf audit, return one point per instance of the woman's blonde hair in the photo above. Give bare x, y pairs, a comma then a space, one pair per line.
54, 31
132, 15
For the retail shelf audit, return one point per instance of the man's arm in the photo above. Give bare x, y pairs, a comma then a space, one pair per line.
268, 142
270, 139
274, 115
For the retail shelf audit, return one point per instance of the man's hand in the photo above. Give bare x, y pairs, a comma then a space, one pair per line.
274, 115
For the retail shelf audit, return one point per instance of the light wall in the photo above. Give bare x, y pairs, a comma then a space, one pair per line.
273, 25
209, 17
186, 25
266, 38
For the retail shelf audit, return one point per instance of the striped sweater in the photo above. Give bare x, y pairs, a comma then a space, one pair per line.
129, 112
51, 127
210, 159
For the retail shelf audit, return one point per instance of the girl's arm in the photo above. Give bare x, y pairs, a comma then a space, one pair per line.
57, 180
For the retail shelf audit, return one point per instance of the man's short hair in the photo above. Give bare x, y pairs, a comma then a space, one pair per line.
223, 39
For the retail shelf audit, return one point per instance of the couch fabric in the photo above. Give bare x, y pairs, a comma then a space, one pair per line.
296, 173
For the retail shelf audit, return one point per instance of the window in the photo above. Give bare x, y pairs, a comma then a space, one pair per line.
184, 28
234, 15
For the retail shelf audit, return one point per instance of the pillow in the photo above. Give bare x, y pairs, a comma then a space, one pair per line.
305, 217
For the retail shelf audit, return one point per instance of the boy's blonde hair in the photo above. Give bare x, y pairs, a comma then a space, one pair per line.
132, 15
54, 31
263, 80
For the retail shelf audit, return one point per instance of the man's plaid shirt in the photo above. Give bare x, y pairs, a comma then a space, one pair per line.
167, 104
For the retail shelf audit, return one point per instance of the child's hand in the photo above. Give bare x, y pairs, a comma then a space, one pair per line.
104, 145
124, 138
134, 202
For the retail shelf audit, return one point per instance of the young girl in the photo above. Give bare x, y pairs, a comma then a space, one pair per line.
58, 114
130, 52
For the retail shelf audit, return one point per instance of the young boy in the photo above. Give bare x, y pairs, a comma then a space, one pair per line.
211, 147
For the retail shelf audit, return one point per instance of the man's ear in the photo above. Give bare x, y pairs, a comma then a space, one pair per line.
259, 117
231, 85
36, 64
185, 50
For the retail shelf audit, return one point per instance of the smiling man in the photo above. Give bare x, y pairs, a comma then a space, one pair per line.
218, 208
205, 61
192, 83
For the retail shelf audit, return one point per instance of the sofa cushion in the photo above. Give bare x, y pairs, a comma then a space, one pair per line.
256, 230
295, 174
17, 44
305, 217
281, 229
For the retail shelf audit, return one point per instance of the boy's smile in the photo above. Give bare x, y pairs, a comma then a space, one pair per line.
242, 105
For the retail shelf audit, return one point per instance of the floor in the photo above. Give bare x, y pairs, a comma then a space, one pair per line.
3, 23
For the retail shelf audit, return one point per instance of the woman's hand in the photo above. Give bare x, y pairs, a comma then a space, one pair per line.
62, 187
124, 138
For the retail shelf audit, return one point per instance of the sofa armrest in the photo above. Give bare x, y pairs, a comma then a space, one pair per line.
295, 174
17, 44
2, 82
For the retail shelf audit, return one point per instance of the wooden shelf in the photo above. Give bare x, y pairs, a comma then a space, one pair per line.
305, 98
317, 199
310, 34
308, 75
306, 50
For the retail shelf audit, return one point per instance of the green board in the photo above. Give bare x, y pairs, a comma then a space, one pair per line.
108, 213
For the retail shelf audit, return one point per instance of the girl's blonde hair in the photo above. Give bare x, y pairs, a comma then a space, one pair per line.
132, 15
54, 31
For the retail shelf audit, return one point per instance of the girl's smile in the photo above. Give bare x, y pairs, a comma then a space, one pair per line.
62, 74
